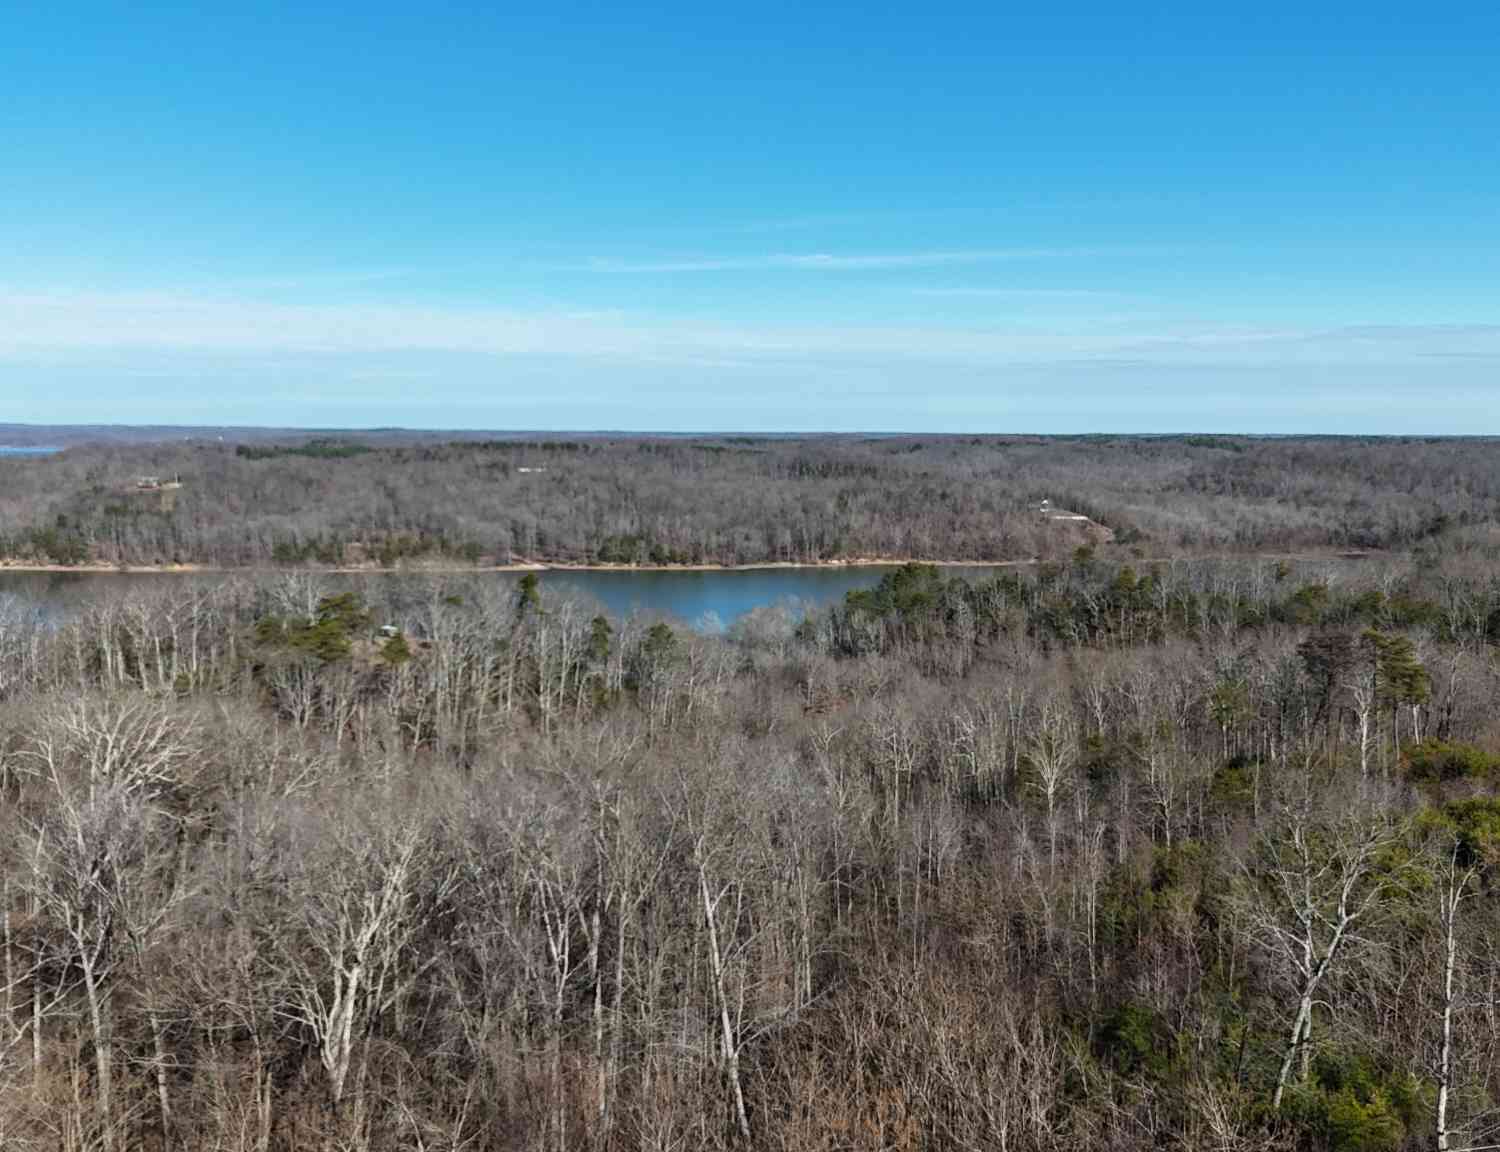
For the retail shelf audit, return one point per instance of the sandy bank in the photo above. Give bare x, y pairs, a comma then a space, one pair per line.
517, 566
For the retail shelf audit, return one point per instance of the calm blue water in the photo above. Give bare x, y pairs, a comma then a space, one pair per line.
703, 599
709, 598
11, 451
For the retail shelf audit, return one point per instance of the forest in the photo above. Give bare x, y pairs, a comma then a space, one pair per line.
1196, 855
392, 500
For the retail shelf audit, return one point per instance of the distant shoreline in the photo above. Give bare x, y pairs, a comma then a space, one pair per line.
544, 566
519, 566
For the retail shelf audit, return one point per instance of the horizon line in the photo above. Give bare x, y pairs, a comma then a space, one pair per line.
706, 433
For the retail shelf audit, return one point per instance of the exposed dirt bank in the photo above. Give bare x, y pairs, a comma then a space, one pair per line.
565, 566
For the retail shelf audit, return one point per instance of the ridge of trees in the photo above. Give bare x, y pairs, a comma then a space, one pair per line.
387, 501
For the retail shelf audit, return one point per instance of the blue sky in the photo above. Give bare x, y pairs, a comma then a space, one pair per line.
1063, 217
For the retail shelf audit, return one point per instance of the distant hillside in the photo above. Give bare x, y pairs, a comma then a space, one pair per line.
263, 497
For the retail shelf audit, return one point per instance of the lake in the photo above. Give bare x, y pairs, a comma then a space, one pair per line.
8, 450
710, 600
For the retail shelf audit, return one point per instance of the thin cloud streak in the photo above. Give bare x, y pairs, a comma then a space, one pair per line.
984, 293
771, 225
51, 325
819, 261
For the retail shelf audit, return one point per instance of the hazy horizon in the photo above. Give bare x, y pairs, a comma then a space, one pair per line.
149, 432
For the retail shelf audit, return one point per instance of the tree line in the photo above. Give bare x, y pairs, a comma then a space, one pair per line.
1194, 855
391, 501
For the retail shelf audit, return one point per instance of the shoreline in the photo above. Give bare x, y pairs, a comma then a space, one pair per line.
519, 566
542, 566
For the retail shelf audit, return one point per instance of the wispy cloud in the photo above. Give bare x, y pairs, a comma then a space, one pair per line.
999, 293
776, 225
37, 326
817, 261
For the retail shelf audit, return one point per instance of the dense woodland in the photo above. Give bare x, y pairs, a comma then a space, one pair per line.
1198, 855
387, 501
